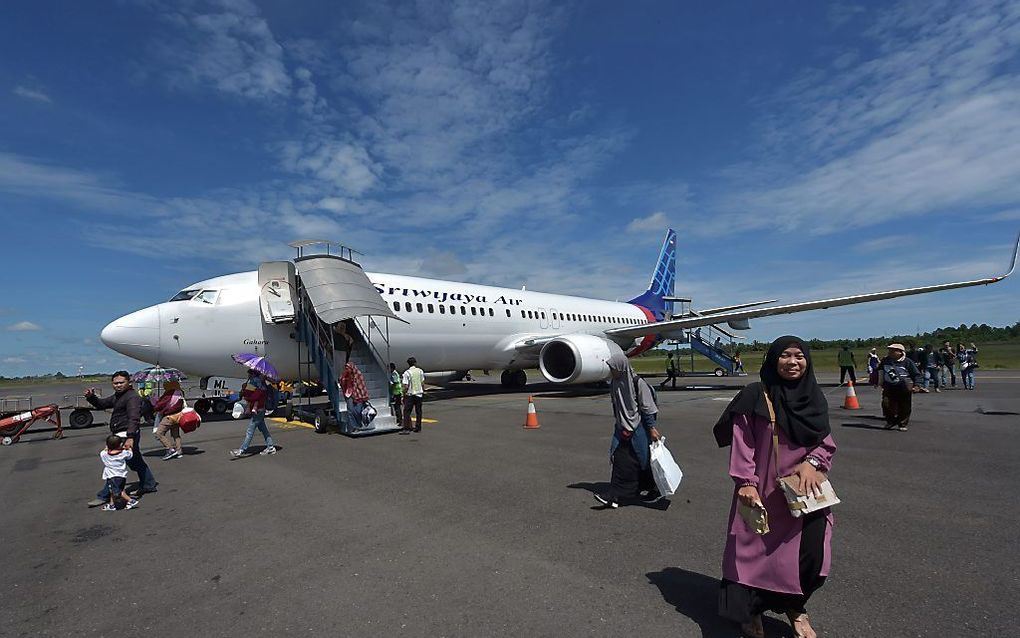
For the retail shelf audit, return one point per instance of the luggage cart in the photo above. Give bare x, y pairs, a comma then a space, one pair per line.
81, 411
13, 425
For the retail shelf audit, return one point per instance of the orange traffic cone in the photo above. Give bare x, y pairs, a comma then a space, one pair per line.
531, 422
850, 403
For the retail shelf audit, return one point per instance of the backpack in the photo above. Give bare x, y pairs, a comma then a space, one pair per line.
895, 375
637, 390
272, 398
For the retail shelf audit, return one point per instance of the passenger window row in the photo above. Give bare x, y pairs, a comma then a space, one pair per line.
441, 309
475, 311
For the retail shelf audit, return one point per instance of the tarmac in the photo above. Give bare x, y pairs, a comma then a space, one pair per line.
478, 527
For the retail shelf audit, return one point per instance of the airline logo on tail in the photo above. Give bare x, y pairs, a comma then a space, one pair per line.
663, 280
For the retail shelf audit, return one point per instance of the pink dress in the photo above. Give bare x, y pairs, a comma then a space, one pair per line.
770, 561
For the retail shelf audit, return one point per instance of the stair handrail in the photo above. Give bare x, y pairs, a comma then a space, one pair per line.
366, 336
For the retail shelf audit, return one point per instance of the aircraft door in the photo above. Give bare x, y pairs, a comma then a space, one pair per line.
554, 319
277, 291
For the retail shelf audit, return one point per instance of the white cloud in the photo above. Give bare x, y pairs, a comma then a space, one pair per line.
925, 126
30, 178
32, 94
15, 360
23, 326
1006, 215
229, 47
347, 167
655, 222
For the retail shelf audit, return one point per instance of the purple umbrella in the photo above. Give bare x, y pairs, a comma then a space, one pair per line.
257, 363
158, 375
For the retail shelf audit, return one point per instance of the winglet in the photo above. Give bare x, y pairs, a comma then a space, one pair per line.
1012, 266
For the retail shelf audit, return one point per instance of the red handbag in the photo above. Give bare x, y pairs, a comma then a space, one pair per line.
189, 421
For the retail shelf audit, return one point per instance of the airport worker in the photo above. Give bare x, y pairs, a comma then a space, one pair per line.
635, 415
115, 456
873, 365
670, 371
780, 569
933, 365
948, 362
352, 385
414, 392
169, 405
847, 364
968, 364
738, 365
900, 379
255, 391
396, 394
125, 416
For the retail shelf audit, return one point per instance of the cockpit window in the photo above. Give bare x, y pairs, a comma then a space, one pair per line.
184, 295
207, 296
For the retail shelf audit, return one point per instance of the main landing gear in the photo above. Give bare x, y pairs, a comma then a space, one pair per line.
513, 378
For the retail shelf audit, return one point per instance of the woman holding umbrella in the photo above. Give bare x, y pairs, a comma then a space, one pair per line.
256, 392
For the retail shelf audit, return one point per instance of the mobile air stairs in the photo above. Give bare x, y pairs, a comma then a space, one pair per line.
725, 364
328, 297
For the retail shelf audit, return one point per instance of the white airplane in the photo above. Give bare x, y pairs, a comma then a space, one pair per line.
446, 325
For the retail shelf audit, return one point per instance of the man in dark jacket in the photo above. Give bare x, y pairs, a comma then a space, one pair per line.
126, 417
900, 378
948, 361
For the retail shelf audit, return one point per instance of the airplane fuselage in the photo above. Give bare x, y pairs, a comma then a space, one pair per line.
450, 325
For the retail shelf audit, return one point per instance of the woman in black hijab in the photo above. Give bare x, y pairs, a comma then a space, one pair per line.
778, 570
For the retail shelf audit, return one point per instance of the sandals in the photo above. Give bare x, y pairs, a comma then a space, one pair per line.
801, 625
753, 629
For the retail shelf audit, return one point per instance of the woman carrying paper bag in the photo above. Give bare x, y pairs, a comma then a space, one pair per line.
635, 413
777, 570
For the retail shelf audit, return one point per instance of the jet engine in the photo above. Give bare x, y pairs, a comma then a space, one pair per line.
576, 358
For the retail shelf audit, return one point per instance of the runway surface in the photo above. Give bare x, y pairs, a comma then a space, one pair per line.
477, 527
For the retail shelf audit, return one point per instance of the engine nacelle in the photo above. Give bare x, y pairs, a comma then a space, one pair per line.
577, 358
739, 324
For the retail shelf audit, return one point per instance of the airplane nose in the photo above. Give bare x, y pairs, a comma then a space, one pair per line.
135, 335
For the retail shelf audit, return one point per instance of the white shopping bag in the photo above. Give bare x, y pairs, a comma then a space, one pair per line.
240, 408
666, 472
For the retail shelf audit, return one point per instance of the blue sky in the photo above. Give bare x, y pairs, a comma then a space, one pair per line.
800, 150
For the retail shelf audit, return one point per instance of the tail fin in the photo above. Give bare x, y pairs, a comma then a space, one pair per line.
663, 280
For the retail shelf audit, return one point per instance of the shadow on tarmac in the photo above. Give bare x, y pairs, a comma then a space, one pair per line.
186, 450
601, 487
867, 426
697, 596
476, 389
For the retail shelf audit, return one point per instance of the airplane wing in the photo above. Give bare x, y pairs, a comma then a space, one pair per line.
722, 317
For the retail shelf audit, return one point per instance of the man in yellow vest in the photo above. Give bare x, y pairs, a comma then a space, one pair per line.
414, 389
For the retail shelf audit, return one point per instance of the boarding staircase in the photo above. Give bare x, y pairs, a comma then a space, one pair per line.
705, 348
320, 343
327, 289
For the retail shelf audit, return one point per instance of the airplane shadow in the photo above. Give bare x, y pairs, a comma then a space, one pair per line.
697, 596
459, 390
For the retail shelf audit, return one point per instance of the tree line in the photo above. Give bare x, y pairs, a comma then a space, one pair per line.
978, 333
